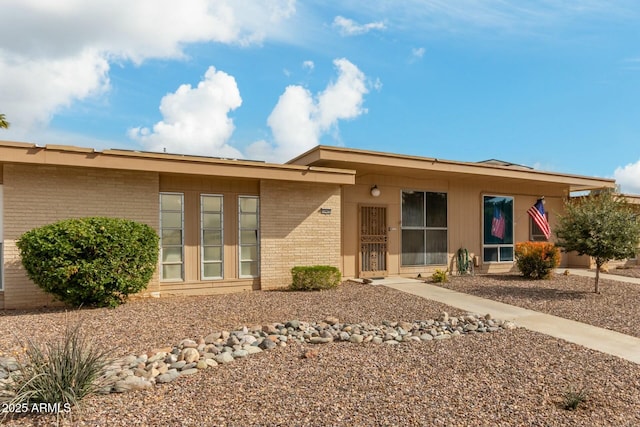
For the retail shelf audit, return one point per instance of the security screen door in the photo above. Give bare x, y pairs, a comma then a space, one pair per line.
373, 241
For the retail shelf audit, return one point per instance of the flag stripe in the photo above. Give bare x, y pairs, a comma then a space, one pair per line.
537, 214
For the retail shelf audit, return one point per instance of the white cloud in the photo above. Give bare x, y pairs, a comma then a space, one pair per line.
309, 65
195, 120
628, 177
377, 84
349, 27
343, 98
299, 119
523, 17
417, 53
33, 89
53, 53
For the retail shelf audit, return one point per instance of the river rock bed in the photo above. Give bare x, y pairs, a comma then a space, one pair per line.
164, 365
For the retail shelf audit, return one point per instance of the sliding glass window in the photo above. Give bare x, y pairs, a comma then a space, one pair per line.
211, 236
172, 236
424, 228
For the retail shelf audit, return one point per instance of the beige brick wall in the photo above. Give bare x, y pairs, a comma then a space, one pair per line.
36, 195
294, 232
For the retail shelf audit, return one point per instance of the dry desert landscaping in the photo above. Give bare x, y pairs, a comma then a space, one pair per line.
505, 378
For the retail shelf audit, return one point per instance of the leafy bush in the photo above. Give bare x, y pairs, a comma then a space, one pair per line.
315, 278
536, 260
59, 372
439, 276
90, 261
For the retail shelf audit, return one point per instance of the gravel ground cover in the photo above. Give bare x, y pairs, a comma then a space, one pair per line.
571, 297
504, 378
631, 271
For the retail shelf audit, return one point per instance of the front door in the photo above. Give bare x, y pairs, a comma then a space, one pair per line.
373, 241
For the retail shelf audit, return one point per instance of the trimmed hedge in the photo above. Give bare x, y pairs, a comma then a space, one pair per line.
92, 261
536, 260
315, 278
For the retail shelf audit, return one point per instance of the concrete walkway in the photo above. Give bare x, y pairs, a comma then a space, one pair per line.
600, 339
603, 276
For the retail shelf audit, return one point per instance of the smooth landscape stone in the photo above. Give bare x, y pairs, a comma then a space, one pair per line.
248, 339
253, 349
168, 377
295, 324
178, 365
223, 358
190, 355
239, 354
165, 364
270, 329
267, 344
158, 356
212, 338
356, 338
332, 320
509, 325
320, 340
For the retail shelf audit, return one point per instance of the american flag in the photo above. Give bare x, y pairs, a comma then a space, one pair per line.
498, 223
537, 214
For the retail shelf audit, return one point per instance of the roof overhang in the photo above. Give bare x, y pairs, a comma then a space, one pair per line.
63, 155
373, 162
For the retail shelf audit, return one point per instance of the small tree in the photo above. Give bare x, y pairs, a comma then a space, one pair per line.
602, 226
3, 122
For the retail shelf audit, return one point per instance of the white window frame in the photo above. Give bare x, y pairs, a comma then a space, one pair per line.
240, 245
162, 263
499, 245
202, 231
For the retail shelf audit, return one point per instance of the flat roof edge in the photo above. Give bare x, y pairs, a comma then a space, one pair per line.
342, 154
65, 155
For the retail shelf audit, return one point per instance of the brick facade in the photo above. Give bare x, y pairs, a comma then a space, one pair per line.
36, 195
294, 231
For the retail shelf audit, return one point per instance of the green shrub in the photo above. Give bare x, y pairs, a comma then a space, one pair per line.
315, 278
573, 398
59, 372
90, 261
536, 260
439, 276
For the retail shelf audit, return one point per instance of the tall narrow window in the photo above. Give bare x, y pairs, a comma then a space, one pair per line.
1, 242
249, 236
424, 228
497, 228
211, 247
172, 236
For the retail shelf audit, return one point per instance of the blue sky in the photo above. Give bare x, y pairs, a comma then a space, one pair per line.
550, 84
